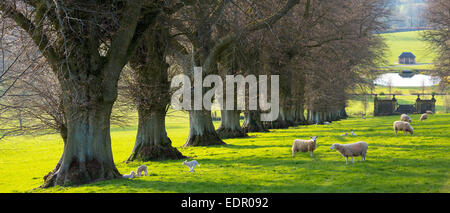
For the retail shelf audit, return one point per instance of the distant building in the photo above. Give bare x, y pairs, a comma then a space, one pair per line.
407, 58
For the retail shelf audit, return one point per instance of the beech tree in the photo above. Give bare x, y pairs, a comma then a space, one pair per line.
438, 16
200, 47
86, 44
148, 86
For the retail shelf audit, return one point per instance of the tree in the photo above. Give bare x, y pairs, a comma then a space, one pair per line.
148, 86
86, 45
438, 16
199, 48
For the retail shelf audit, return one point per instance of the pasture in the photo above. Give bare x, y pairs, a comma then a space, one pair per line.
261, 162
408, 42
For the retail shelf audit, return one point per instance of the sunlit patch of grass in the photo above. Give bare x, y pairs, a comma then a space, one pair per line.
259, 163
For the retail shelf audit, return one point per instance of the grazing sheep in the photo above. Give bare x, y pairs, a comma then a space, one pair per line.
191, 165
424, 116
354, 149
429, 112
300, 145
405, 117
140, 169
345, 134
353, 133
130, 176
326, 123
403, 126
364, 117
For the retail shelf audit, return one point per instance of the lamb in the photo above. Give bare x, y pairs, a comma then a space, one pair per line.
140, 169
300, 145
354, 149
403, 126
429, 112
405, 117
424, 116
191, 165
130, 176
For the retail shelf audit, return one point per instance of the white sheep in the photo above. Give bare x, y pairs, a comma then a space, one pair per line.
353, 133
300, 145
140, 169
354, 149
429, 112
424, 116
403, 126
345, 134
405, 117
130, 176
326, 123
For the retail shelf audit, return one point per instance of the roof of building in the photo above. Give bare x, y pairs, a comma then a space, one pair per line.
407, 55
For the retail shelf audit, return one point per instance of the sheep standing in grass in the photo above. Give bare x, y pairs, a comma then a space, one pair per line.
140, 169
405, 117
300, 145
429, 112
424, 116
403, 126
354, 149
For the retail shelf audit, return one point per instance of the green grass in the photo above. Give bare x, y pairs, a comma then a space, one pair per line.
408, 42
259, 163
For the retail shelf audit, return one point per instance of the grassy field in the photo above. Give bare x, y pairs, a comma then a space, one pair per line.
259, 163
408, 42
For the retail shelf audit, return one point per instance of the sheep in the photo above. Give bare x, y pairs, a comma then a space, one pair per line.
191, 165
354, 149
405, 117
429, 112
424, 116
353, 133
140, 169
300, 145
345, 134
326, 123
403, 126
130, 176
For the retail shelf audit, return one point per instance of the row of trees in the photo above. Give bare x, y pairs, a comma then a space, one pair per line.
78, 66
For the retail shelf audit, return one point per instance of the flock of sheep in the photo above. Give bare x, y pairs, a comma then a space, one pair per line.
347, 150
354, 149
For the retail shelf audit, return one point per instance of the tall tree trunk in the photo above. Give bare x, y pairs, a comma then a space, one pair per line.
230, 126
152, 142
252, 122
300, 115
87, 155
201, 129
152, 97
